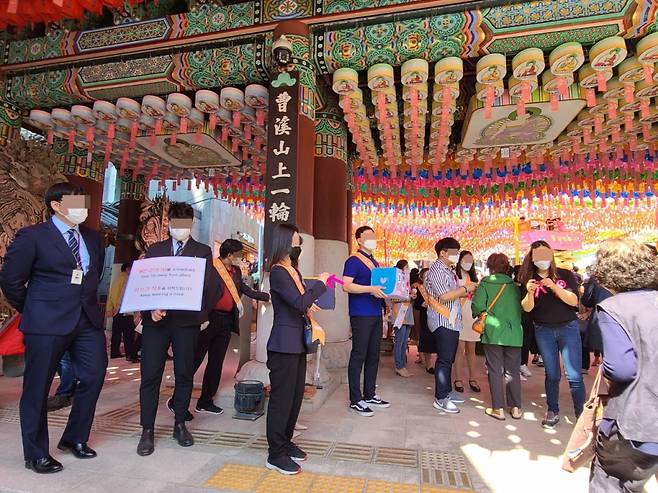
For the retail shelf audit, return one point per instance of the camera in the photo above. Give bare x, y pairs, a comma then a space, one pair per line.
282, 52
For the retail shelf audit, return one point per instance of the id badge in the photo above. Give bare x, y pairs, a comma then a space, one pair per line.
76, 276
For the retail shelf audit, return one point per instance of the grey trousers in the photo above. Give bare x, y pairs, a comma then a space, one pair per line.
619, 466
502, 360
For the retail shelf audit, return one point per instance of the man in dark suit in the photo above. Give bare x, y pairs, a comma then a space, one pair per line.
224, 318
50, 275
178, 328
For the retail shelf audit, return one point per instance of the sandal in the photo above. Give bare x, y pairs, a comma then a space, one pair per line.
459, 388
474, 386
498, 414
516, 413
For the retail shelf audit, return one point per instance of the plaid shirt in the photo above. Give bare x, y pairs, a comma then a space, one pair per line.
439, 280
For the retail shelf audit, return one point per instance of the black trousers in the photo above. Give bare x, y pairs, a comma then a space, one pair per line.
366, 342
155, 343
447, 342
619, 466
86, 346
214, 342
287, 380
529, 343
123, 327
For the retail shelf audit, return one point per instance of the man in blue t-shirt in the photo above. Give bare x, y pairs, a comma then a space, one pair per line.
366, 306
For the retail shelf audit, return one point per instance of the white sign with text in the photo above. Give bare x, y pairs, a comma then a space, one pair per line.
165, 283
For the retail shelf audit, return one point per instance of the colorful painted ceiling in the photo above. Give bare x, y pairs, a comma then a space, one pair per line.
451, 112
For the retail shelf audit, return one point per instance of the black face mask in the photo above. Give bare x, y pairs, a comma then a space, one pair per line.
295, 252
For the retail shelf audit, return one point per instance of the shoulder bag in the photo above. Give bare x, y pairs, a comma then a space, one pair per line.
480, 322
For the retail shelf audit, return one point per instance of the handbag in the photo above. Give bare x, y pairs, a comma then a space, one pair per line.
581, 445
480, 322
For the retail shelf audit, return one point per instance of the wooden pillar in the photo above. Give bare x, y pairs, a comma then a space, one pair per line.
130, 202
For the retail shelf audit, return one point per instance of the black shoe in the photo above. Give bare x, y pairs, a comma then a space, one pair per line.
146, 444
296, 454
430, 371
209, 408
46, 465
284, 465
80, 450
133, 359
115, 356
57, 402
183, 436
170, 406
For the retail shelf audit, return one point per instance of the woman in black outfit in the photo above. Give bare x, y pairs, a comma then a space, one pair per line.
286, 350
426, 343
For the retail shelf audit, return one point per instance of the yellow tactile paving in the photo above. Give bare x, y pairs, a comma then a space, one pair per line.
274, 482
236, 477
375, 486
337, 484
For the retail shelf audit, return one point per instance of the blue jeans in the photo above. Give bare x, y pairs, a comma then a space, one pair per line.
564, 340
400, 346
447, 342
67, 378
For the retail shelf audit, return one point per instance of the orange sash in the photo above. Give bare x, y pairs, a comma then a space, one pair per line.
228, 280
436, 305
365, 260
318, 332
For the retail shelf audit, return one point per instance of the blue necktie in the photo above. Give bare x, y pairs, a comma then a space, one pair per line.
179, 248
74, 245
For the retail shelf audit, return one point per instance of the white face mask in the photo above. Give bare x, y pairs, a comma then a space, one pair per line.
466, 266
180, 234
542, 264
453, 259
370, 244
77, 216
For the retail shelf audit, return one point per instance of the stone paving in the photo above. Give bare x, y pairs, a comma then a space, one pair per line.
409, 447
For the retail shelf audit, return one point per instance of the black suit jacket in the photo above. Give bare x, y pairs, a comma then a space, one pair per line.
289, 308
36, 280
217, 291
180, 318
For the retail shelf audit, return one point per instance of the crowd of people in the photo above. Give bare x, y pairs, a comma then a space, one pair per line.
51, 273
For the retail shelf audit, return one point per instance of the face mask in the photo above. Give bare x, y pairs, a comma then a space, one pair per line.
467, 266
370, 245
542, 264
77, 216
295, 253
453, 259
180, 234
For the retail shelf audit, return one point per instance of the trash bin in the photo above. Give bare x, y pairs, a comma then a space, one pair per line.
249, 400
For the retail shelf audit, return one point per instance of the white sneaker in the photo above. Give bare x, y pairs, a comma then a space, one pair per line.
456, 397
300, 427
525, 371
445, 405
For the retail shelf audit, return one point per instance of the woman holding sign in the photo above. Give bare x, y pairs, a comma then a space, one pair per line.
294, 306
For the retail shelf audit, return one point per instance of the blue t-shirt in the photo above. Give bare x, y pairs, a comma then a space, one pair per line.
362, 305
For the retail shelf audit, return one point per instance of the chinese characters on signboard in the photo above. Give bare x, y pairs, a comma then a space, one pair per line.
281, 187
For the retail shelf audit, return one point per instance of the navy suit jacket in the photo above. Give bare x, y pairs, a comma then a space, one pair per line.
289, 308
36, 280
182, 318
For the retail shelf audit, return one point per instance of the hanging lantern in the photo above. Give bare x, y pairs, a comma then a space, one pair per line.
414, 72
605, 55
528, 64
589, 80
564, 61
180, 105
345, 81
553, 85
521, 90
647, 54
381, 77
490, 71
448, 71
206, 101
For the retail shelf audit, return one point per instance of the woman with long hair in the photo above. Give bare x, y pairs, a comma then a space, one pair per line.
426, 342
293, 306
502, 337
549, 295
403, 320
466, 274
627, 442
